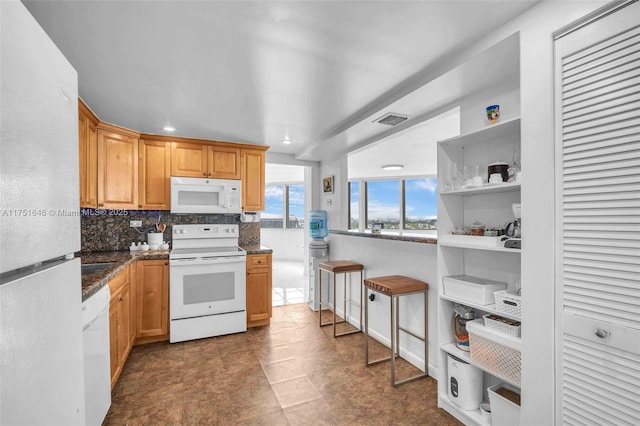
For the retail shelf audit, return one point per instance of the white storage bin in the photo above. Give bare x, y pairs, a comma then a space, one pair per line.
504, 412
508, 303
503, 325
472, 289
494, 352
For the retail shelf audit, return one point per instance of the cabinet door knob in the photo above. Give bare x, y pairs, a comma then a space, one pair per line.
100, 204
602, 333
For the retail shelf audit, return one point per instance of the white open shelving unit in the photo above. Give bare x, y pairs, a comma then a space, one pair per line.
482, 257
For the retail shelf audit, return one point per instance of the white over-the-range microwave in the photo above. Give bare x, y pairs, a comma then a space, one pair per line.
205, 196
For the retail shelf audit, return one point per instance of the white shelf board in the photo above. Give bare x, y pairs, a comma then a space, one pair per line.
472, 417
480, 247
487, 308
486, 134
452, 349
487, 189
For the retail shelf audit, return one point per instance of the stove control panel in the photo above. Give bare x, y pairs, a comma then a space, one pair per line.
205, 231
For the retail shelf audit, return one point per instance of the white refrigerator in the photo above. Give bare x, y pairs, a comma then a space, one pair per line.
41, 353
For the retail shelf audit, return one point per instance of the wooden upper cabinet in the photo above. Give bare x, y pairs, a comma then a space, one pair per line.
117, 168
253, 180
154, 179
204, 160
224, 162
88, 160
189, 159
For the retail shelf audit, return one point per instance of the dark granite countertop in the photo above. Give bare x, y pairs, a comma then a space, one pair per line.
91, 283
390, 236
257, 249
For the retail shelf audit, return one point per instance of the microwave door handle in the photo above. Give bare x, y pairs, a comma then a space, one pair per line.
223, 196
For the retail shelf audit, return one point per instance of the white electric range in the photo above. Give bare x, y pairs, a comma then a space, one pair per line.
207, 282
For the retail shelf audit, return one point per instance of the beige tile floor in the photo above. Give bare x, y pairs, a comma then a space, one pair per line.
290, 373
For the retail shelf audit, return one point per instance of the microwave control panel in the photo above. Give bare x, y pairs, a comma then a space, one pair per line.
234, 196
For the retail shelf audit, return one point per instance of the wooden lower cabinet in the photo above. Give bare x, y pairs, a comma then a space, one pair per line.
120, 337
139, 309
259, 301
152, 301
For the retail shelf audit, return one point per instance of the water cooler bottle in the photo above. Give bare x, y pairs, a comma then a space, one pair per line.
318, 252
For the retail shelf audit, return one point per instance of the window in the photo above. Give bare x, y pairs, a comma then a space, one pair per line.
354, 205
383, 203
274, 207
283, 201
295, 206
420, 204
399, 204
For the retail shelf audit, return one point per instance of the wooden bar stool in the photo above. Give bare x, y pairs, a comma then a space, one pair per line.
345, 267
395, 286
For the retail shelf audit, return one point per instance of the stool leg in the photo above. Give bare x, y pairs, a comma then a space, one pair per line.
366, 328
426, 334
393, 340
344, 296
397, 326
361, 280
320, 296
334, 305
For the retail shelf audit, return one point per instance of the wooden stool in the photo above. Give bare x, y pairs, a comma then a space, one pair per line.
334, 267
395, 286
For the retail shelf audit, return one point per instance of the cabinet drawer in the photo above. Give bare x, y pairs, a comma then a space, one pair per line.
258, 261
118, 282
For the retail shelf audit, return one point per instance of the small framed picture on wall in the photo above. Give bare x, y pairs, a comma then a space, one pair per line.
327, 185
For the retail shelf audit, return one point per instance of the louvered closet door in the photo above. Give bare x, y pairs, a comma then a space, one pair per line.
599, 221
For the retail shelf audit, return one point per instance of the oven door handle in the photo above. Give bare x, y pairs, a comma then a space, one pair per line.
208, 260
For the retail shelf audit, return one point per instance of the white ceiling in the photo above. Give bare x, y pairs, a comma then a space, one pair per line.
261, 71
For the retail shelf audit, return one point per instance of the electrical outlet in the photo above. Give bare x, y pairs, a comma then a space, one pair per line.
135, 223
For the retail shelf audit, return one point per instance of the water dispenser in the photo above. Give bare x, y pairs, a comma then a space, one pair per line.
318, 252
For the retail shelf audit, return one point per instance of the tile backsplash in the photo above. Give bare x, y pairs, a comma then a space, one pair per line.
106, 230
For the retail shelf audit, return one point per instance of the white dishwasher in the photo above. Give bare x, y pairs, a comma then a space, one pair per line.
97, 364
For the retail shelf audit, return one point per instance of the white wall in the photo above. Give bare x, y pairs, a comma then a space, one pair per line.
388, 257
287, 244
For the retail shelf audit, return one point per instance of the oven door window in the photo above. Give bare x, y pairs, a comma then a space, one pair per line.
197, 290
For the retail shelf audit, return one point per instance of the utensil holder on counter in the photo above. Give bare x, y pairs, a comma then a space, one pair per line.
155, 238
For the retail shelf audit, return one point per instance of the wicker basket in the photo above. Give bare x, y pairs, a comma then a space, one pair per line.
508, 303
508, 327
494, 352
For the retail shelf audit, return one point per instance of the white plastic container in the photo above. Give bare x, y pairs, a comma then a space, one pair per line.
503, 411
465, 383
472, 289
155, 238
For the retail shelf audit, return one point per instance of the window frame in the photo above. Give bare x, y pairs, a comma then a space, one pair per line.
362, 204
285, 202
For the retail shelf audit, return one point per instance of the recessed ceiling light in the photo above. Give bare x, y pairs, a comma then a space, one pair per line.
392, 167
287, 141
169, 129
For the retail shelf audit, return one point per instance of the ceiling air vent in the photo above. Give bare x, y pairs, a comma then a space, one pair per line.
391, 119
